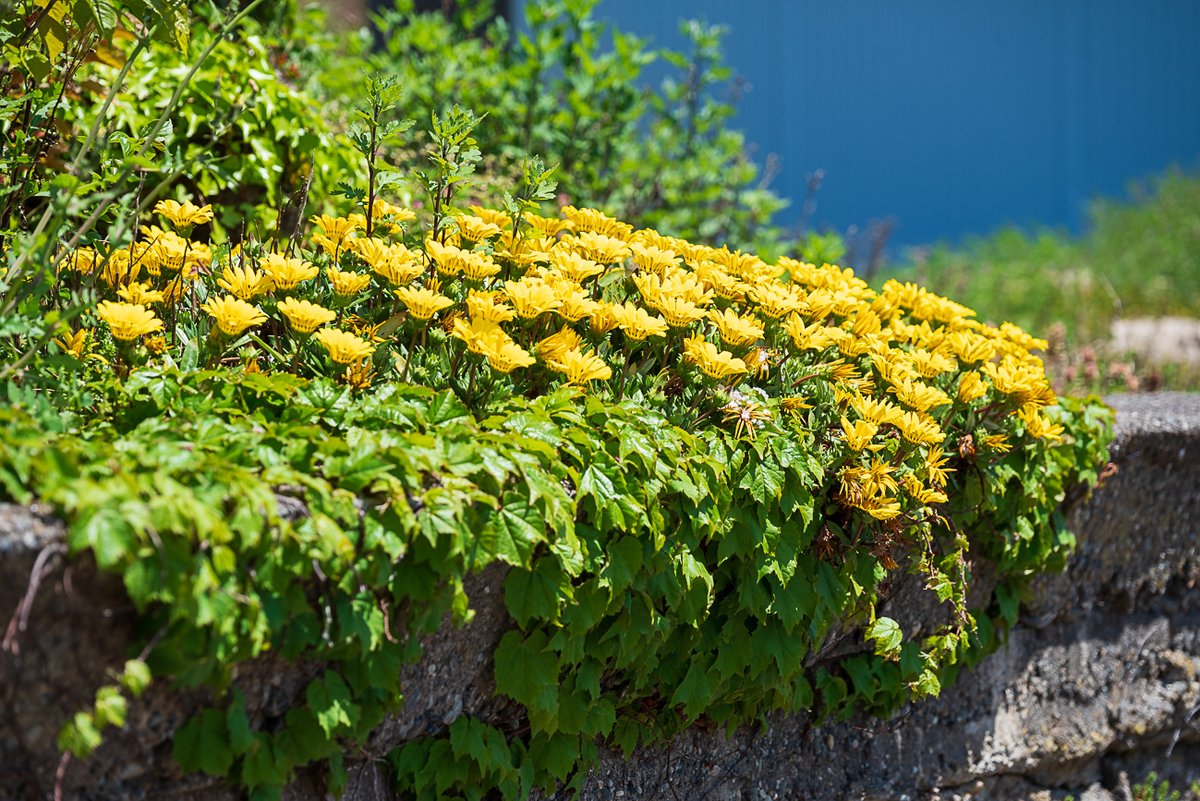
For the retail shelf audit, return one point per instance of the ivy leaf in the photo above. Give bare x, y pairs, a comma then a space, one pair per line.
135, 677
467, 739
80, 736
110, 707
557, 753
329, 699
887, 636
512, 532
444, 408
695, 691
240, 736
262, 765
201, 744
532, 594
527, 670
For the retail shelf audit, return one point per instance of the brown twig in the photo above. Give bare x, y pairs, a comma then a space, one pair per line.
20, 618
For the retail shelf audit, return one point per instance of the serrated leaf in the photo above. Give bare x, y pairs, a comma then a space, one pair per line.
201, 744
532, 594
887, 636
238, 724
135, 677
329, 699
527, 670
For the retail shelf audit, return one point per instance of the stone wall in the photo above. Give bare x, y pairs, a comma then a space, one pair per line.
1098, 685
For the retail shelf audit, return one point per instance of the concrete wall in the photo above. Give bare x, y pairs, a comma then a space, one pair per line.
1099, 684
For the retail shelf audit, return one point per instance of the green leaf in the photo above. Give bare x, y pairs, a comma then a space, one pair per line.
110, 707
532, 594
329, 699
512, 532
202, 744
80, 736
135, 677
527, 670
695, 691
887, 636
240, 736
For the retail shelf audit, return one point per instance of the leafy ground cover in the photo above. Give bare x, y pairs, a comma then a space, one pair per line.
1139, 258
703, 467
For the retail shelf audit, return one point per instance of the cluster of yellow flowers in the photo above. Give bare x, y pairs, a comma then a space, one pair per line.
579, 295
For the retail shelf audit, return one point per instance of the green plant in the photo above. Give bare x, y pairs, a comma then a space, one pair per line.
1150, 789
572, 90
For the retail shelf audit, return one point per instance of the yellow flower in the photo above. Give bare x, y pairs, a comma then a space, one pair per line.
156, 344
346, 283
712, 362
478, 266
815, 336
543, 225
921, 493
602, 318
233, 315
554, 346
776, 300
971, 387
971, 347
303, 316
1019, 380
73, 343
580, 367
919, 430
246, 283
637, 323
531, 297
576, 303
574, 266
859, 434
1037, 426
138, 292
385, 210
475, 229
935, 467
487, 306
652, 259
678, 312
286, 273
597, 221
128, 321
184, 215
919, 396
81, 260
598, 247
876, 411
736, 330
478, 335
997, 442
120, 269
359, 374
336, 229
423, 303
344, 347
505, 355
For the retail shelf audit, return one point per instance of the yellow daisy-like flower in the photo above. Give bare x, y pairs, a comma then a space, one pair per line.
712, 362
233, 315
476, 229
736, 330
505, 355
776, 300
499, 219
81, 260
487, 306
971, 387
574, 266
305, 317
876, 411
576, 303
637, 323
919, 430
385, 210
679, 313
1037, 426
336, 229
478, 266
602, 318
653, 259
859, 434
287, 273
545, 226
156, 344
73, 343
346, 283
600, 248
598, 222
554, 346
128, 321
344, 347
138, 292
478, 335
246, 283
919, 396
184, 215
580, 367
531, 297
423, 303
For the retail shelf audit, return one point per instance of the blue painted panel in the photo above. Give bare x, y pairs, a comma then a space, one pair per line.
955, 118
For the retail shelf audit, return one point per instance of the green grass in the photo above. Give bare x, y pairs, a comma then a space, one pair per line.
1137, 258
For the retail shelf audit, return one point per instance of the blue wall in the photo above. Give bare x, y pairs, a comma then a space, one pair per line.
955, 117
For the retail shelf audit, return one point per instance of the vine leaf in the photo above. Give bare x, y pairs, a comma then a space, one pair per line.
201, 744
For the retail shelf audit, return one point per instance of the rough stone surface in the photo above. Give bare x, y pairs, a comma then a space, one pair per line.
1099, 683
